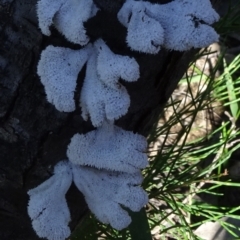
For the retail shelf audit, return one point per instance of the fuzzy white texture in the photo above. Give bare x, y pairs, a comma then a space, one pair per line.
125, 13
109, 147
186, 23
47, 206
70, 18
46, 9
111, 67
106, 191
100, 101
144, 33
58, 69
67, 16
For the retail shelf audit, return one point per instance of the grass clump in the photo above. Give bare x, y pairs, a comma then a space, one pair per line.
187, 174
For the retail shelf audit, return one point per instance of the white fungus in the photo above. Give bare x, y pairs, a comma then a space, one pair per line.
125, 13
109, 147
178, 25
70, 18
46, 9
105, 163
185, 23
47, 206
100, 101
58, 69
144, 34
67, 16
105, 192
111, 67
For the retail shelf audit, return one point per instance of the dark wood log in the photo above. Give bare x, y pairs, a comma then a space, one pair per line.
33, 134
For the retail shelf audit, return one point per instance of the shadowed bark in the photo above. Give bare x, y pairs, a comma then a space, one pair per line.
33, 134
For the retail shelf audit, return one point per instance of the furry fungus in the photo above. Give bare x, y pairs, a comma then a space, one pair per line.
105, 192
70, 18
100, 101
113, 67
109, 147
105, 163
47, 206
178, 25
46, 10
58, 69
144, 34
186, 23
67, 16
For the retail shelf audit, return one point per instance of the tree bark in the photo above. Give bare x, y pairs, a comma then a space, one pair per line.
33, 134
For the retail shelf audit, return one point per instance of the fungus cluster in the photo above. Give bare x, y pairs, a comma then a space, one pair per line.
105, 164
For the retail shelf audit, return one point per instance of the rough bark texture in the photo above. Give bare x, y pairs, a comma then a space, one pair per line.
33, 134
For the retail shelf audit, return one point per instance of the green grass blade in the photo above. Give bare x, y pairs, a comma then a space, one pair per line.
139, 228
231, 92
